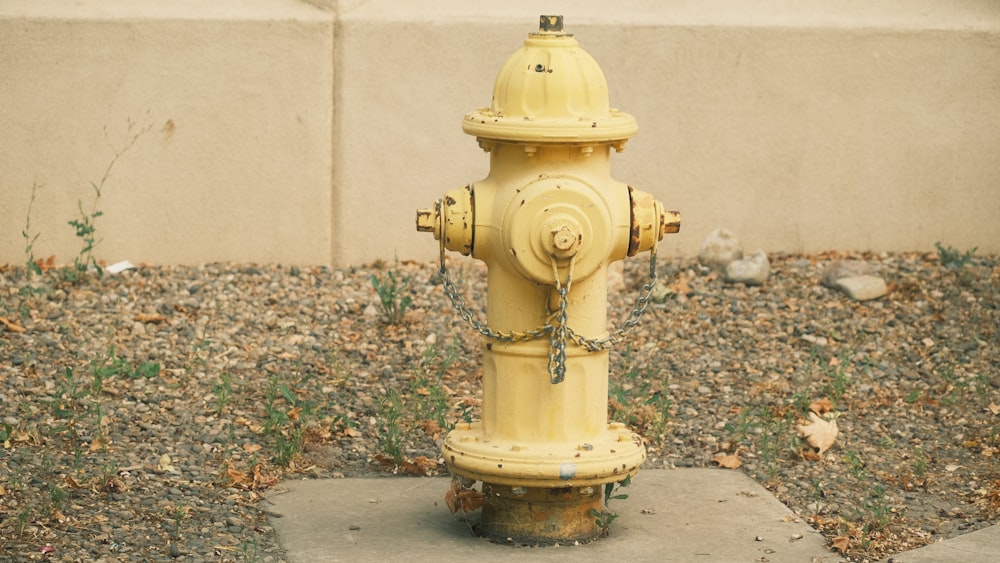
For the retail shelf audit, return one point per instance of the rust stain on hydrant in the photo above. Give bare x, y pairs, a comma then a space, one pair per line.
547, 221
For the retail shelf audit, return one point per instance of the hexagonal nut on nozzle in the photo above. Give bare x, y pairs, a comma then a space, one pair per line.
429, 220
670, 222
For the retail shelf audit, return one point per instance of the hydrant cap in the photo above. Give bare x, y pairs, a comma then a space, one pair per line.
552, 91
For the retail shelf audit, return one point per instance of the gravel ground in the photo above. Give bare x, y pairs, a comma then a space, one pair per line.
146, 414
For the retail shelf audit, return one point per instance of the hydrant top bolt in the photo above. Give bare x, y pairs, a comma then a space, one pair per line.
550, 23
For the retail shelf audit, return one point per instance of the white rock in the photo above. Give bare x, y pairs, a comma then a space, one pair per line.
370, 311
844, 269
750, 271
718, 249
863, 288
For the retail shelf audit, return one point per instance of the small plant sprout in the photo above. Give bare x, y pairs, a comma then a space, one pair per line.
390, 290
30, 266
953, 259
85, 224
605, 517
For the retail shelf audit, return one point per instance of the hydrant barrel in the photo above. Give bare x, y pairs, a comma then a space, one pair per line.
547, 221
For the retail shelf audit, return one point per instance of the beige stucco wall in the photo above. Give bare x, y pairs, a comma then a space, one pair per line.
309, 132
239, 94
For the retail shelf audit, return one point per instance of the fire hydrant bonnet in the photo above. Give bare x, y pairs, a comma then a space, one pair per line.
550, 90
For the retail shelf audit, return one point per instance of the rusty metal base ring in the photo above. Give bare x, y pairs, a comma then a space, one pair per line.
540, 516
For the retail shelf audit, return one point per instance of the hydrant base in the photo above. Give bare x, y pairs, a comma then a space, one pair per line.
540, 515
609, 456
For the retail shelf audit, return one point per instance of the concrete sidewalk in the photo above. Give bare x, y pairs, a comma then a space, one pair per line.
671, 515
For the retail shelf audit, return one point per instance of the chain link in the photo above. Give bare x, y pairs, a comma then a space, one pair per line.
557, 329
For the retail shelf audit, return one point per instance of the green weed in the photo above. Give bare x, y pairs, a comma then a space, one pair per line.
284, 426
390, 291
391, 435
920, 462
878, 510
953, 259
30, 265
249, 550
604, 517
427, 386
777, 439
85, 225
22, 520
57, 500
855, 465
222, 391
634, 401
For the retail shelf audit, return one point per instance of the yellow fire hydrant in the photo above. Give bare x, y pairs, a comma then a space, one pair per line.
547, 221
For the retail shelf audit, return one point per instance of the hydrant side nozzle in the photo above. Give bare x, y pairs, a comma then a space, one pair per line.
451, 220
649, 222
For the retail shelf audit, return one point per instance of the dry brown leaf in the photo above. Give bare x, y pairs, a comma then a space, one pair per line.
459, 497
729, 461
840, 543
431, 427
809, 454
261, 480
46, 264
11, 325
680, 287
154, 318
819, 433
420, 465
994, 408
821, 406
236, 477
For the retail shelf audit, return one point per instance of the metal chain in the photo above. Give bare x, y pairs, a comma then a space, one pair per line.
557, 329
558, 335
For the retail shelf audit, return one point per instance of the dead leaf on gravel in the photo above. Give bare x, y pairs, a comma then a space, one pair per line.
154, 318
821, 406
420, 465
11, 325
729, 461
840, 543
431, 427
680, 287
46, 264
819, 433
994, 408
